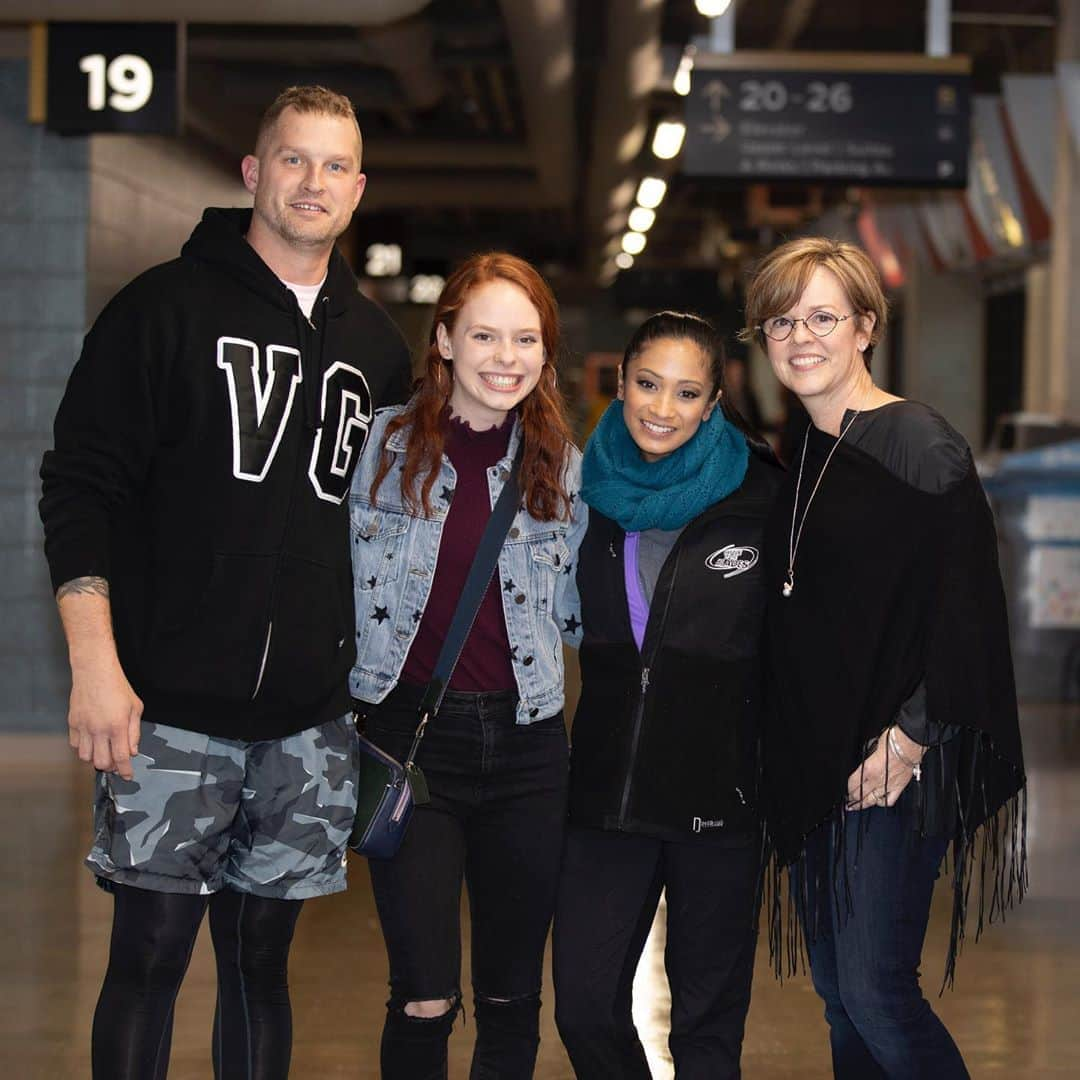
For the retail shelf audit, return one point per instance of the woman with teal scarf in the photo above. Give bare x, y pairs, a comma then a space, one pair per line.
664, 759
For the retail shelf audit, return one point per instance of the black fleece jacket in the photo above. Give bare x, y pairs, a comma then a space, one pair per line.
665, 740
203, 453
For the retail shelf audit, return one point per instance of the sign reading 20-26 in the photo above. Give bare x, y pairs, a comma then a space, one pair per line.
113, 77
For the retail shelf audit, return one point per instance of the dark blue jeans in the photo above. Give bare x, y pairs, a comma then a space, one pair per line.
495, 821
864, 956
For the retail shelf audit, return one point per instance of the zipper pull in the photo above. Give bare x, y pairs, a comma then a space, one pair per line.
310, 320
644, 679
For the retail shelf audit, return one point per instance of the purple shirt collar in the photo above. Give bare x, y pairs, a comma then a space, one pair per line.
635, 596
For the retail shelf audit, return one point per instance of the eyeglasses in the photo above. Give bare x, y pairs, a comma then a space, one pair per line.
819, 323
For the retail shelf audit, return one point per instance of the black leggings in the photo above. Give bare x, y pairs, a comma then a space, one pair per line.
152, 938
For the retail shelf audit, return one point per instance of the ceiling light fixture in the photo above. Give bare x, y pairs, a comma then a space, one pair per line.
624, 260
668, 140
641, 219
681, 83
633, 243
651, 192
712, 9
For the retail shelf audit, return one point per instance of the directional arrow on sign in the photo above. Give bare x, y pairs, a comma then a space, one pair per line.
717, 128
716, 91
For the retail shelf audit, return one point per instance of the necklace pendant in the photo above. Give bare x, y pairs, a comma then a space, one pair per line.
789, 586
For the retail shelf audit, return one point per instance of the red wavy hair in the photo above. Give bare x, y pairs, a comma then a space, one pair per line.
545, 430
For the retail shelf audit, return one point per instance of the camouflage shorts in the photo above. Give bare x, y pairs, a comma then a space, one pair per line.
202, 814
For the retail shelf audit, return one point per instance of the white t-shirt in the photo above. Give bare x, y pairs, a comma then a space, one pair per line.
306, 295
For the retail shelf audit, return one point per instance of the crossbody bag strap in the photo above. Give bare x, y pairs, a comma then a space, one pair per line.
476, 584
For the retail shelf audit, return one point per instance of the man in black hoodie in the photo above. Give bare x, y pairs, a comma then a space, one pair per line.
196, 528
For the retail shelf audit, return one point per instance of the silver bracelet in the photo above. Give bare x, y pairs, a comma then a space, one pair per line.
914, 766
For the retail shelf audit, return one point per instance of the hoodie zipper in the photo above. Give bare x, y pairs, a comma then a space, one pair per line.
262, 666
302, 341
639, 710
646, 670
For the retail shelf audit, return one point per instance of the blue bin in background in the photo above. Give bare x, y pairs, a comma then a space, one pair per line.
1036, 501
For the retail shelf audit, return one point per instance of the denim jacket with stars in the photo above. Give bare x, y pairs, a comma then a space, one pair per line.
394, 553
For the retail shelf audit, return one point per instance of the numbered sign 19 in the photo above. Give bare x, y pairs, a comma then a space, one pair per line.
120, 77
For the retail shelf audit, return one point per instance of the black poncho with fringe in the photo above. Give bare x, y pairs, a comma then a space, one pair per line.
898, 609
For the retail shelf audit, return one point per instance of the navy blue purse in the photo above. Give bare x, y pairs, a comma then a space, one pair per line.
387, 790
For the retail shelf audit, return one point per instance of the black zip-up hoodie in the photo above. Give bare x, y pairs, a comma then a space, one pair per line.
203, 453
665, 740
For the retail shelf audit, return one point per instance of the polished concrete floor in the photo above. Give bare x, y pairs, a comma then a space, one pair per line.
1015, 1011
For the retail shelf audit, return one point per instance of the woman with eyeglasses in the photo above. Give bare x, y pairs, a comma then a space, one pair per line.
893, 725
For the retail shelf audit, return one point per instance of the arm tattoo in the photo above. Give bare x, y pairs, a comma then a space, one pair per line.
84, 586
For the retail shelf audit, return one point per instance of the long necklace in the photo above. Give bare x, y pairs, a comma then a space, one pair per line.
793, 540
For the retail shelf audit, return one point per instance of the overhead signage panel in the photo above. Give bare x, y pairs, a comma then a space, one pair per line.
859, 119
119, 77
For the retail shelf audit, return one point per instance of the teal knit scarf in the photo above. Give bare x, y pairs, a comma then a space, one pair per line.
665, 494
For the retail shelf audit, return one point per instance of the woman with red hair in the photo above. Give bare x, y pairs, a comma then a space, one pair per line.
495, 756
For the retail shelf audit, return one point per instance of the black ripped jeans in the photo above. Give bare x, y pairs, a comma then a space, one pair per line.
495, 821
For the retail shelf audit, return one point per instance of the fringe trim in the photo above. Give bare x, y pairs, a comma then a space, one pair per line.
991, 858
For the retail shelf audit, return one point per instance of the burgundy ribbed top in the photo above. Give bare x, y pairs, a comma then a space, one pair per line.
485, 663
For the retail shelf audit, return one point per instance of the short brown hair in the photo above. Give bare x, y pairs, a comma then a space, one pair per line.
306, 99
782, 276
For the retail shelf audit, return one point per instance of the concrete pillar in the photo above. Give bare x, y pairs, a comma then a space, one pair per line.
944, 348
43, 217
1063, 382
1037, 338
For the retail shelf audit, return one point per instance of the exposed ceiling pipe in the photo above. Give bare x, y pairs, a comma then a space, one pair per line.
1001, 18
260, 48
620, 126
254, 86
477, 191
417, 152
542, 43
281, 12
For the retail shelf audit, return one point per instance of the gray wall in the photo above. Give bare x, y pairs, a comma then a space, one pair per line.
146, 195
44, 208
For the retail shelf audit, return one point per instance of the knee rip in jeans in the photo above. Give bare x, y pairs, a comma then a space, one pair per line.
519, 999
428, 1009
514, 1018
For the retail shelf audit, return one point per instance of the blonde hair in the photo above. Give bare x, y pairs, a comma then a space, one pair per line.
317, 100
781, 278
